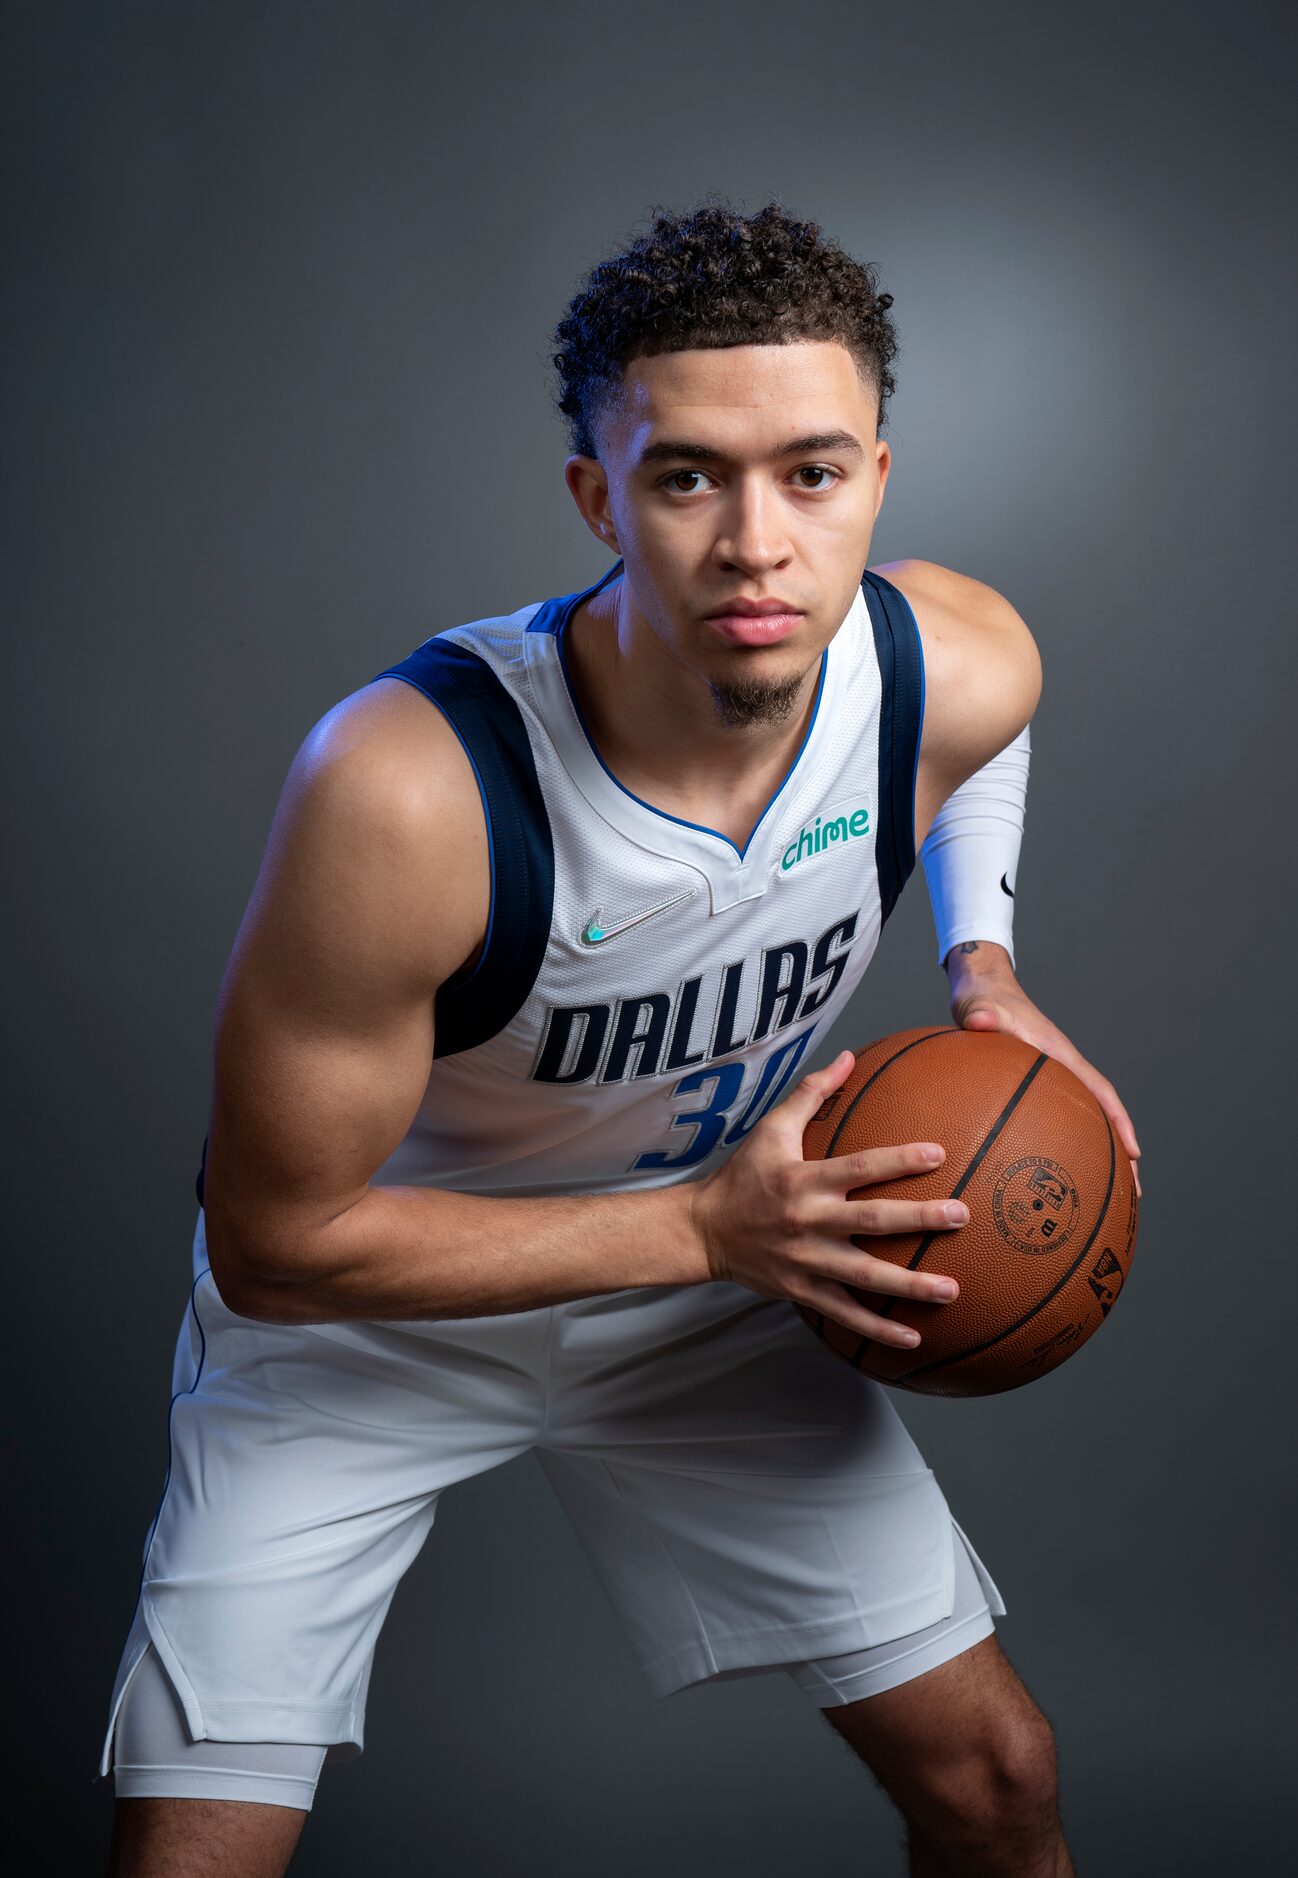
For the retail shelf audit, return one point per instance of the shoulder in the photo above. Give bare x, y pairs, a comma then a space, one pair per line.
982, 671
964, 622
379, 838
389, 752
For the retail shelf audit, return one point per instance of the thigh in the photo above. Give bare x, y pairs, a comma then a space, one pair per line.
305, 1466
201, 1806
202, 1839
155, 1757
922, 1736
836, 1681
747, 1498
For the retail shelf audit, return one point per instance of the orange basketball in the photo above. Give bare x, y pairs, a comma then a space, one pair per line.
1051, 1198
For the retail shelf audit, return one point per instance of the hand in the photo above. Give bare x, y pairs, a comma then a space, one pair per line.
985, 995
783, 1225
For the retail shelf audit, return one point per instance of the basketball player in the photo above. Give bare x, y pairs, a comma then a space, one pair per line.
510, 1085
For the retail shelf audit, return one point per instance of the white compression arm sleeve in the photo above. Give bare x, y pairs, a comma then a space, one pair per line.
971, 853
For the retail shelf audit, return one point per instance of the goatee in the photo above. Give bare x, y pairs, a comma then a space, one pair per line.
739, 702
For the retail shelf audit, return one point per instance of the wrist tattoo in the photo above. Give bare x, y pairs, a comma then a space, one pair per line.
970, 945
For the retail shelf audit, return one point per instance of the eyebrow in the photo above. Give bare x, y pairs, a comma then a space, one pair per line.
670, 449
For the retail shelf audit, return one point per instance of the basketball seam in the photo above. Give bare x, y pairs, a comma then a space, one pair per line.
947, 1030
958, 1189
950, 1362
980, 1156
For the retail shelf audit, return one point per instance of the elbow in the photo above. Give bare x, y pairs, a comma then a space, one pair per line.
251, 1285
247, 1293
1019, 658
1031, 676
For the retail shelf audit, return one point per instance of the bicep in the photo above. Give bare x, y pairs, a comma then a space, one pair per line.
983, 681
370, 894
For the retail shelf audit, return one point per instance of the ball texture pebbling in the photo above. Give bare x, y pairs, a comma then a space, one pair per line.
1051, 1198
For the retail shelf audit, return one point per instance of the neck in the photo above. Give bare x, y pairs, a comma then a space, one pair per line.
655, 723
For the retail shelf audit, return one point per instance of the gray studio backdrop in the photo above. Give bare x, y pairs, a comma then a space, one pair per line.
277, 410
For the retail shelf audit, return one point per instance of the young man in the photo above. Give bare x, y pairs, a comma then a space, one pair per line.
505, 1147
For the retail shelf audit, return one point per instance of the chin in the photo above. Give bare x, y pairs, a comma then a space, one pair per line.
759, 691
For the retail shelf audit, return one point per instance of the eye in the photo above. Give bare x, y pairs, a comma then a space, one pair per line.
827, 476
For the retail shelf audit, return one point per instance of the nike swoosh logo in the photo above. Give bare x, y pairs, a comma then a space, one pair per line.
1006, 887
595, 934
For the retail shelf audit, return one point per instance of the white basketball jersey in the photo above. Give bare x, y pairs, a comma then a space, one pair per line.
647, 991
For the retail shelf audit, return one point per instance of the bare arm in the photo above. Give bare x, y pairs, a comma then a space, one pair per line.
374, 889
982, 678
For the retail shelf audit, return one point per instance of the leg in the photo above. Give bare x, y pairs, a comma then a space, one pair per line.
202, 1839
304, 1474
969, 1759
190, 1809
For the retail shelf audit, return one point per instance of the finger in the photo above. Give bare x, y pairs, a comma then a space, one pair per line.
856, 1218
1055, 1044
864, 1273
797, 1109
1107, 1097
1118, 1115
842, 1172
834, 1302
1135, 1174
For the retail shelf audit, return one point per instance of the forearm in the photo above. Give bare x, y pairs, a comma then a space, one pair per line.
971, 854
426, 1253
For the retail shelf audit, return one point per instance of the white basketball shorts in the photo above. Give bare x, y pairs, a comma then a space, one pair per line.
747, 1499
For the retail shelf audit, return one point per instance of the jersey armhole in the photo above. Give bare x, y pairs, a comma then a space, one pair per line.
900, 656
474, 1005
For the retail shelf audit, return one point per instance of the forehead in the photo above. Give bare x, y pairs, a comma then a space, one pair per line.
743, 398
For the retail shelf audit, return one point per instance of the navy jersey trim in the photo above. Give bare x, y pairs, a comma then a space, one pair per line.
475, 1005
901, 720
553, 615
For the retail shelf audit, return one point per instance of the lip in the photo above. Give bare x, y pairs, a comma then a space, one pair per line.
755, 622
754, 629
750, 609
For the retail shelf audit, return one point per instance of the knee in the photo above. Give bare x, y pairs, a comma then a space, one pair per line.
1002, 1789
1024, 1769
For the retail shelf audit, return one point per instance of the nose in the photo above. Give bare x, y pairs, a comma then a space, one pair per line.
753, 538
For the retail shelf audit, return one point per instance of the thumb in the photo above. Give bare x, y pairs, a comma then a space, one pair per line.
797, 1109
982, 1014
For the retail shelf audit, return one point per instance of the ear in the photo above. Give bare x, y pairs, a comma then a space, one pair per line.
883, 458
587, 482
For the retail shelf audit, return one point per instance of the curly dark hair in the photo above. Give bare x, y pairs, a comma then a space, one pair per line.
712, 277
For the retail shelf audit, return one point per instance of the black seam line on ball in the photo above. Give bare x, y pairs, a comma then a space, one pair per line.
946, 1031
951, 1362
958, 1189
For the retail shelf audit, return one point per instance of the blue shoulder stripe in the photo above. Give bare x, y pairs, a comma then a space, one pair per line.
901, 720
476, 1004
